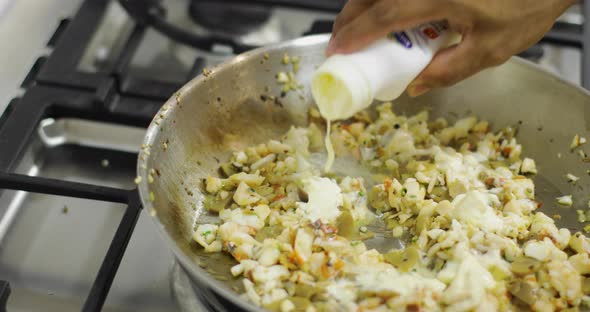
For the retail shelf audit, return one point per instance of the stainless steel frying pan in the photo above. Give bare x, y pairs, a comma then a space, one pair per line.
230, 108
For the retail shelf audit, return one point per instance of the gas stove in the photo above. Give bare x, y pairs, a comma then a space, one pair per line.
75, 98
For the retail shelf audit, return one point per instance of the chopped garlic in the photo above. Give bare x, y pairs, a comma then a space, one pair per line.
237, 269
581, 216
528, 166
213, 184
286, 59
287, 306
572, 178
577, 141
282, 77
398, 231
565, 200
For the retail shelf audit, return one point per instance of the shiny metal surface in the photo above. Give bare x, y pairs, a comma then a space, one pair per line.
211, 116
51, 247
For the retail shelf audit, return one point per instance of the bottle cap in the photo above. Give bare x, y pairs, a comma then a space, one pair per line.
340, 89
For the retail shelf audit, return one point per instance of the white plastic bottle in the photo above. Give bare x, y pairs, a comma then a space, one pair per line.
347, 84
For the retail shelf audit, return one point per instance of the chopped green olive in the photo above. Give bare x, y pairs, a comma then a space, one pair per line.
346, 225
228, 169
214, 204
525, 265
586, 286
523, 291
403, 260
271, 231
303, 290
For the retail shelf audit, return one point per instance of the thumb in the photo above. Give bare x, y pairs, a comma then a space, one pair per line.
449, 66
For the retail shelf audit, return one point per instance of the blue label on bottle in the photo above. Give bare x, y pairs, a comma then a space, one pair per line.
403, 38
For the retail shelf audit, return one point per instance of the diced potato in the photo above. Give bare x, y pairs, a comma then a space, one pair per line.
565, 279
356, 129
580, 243
206, 235
462, 126
236, 233
262, 274
269, 255
303, 245
241, 157
243, 217
580, 262
237, 269
251, 291
268, 159
482, 126
543, 250
278, 147
253, 179
214, 185
414, 191
398, 231
245, 195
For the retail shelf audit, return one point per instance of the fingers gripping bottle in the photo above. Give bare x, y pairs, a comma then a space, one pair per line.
346, 84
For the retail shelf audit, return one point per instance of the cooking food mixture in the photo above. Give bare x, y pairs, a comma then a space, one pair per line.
460, 197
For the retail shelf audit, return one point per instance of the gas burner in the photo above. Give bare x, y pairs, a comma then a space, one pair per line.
183, 293
236, 18
192, 298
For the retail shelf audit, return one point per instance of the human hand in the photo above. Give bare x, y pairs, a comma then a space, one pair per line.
492, 31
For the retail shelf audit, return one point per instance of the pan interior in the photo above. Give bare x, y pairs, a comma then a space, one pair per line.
239, 104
